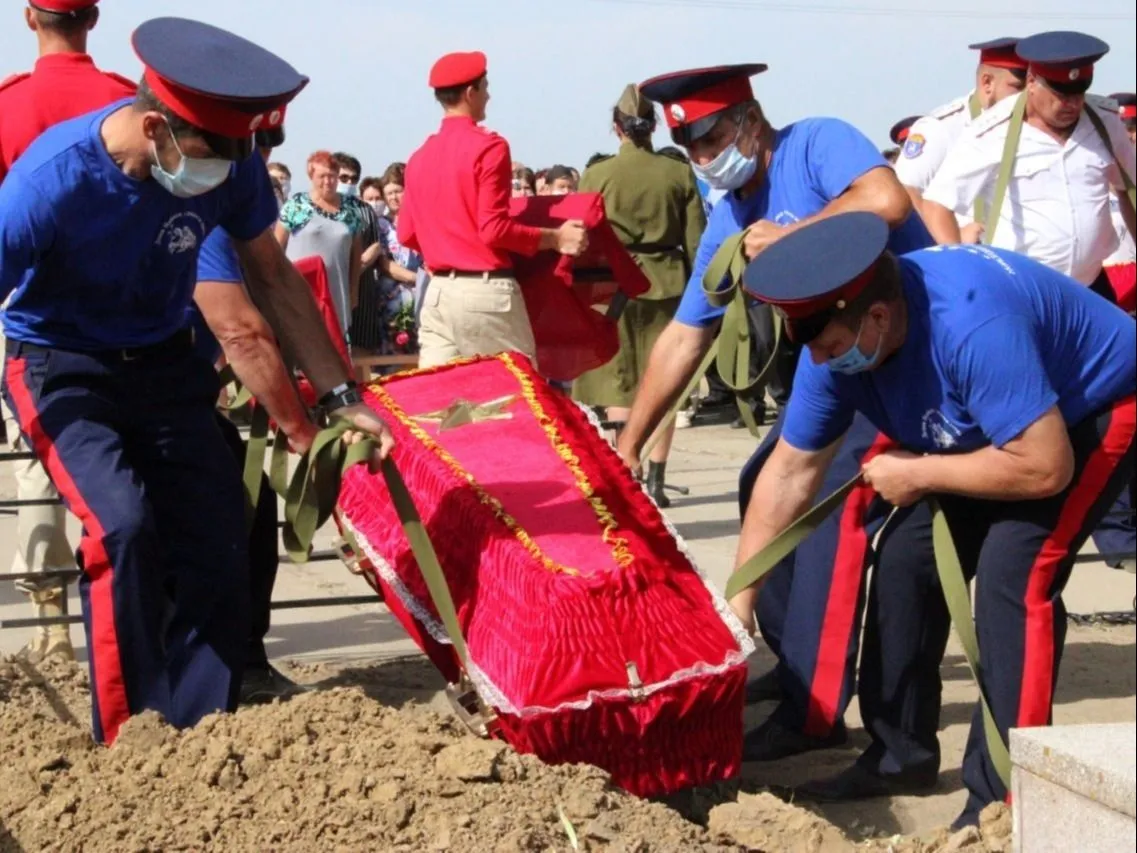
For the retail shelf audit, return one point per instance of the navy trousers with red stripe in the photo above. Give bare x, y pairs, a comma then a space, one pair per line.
264, 552
134, 449
809, 609
1020, 554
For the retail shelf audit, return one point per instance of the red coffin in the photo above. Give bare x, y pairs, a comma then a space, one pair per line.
571, 336
590, 630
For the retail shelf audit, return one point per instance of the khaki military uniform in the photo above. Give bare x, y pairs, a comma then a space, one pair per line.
654, 206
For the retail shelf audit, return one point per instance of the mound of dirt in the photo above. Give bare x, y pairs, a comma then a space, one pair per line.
336, 770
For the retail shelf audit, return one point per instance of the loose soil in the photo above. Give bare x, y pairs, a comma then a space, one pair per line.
352, 766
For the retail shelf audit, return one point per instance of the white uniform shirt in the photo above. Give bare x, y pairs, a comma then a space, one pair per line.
929, 140
1126, 252
1057, 207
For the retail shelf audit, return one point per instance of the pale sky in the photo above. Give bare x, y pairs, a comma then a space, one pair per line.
556, 68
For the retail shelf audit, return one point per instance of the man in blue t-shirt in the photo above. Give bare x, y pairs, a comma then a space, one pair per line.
775, 181
1006, 390
100, 224
227, 324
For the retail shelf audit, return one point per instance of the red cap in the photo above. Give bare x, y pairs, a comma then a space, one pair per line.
1127, 113
1062, 73
63, 6
454, 69
1002, 57
209, 113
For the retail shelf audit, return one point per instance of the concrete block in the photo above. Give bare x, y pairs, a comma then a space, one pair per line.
1075, 788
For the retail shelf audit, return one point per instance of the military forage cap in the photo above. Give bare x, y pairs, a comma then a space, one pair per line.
633, 103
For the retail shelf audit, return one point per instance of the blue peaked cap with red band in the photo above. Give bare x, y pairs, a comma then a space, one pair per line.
816, 270
693, 100
213, 79
1062, 57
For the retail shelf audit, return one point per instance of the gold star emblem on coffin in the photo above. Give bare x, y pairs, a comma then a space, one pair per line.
462, 412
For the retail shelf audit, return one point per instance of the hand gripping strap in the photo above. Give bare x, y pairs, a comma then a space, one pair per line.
951, 580
311, 499
731, 349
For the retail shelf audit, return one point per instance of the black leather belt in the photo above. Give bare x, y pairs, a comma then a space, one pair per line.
502, 273
179, 343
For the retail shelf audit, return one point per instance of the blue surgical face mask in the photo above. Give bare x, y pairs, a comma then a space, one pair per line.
194, 176
730, 170
854, 361
351, 190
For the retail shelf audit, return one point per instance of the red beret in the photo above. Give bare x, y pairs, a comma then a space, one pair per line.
63, 6
454, 69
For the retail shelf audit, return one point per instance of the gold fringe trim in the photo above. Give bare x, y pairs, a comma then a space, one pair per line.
620, 551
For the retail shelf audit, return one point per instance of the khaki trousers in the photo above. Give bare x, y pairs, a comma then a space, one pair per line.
468, 315
41, 531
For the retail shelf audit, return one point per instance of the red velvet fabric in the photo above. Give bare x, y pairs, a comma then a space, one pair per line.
572, 337
1123, 281
316, 274
563, 572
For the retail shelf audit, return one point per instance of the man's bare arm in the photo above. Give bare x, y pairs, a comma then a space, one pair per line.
941, 222
282, 295
250, 347
1037, 464
672, 363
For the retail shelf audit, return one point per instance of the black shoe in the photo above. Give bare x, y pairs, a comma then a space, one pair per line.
655, 475
774, 740
765, 688
717, 400
263, 684
859, 783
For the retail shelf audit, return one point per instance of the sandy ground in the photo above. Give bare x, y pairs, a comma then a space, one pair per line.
371, 760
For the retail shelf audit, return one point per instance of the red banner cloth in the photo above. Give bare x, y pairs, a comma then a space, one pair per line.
316, 274
1123, 282
571, 336
589, 629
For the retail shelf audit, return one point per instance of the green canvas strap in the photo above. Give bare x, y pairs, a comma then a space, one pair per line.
242, 395
952, 582
959, 606
782, 545
1126, 178
735, 346
312, 496
257, 443
1006, 167
255, 449
975, 109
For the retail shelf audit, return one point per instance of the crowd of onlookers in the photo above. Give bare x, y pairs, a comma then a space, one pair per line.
350, 220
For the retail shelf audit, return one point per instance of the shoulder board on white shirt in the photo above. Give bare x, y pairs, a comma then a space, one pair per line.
997, 115
1104, 104
949, 109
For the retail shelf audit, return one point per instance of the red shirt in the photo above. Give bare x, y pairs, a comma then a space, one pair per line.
60, 87
455, 209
